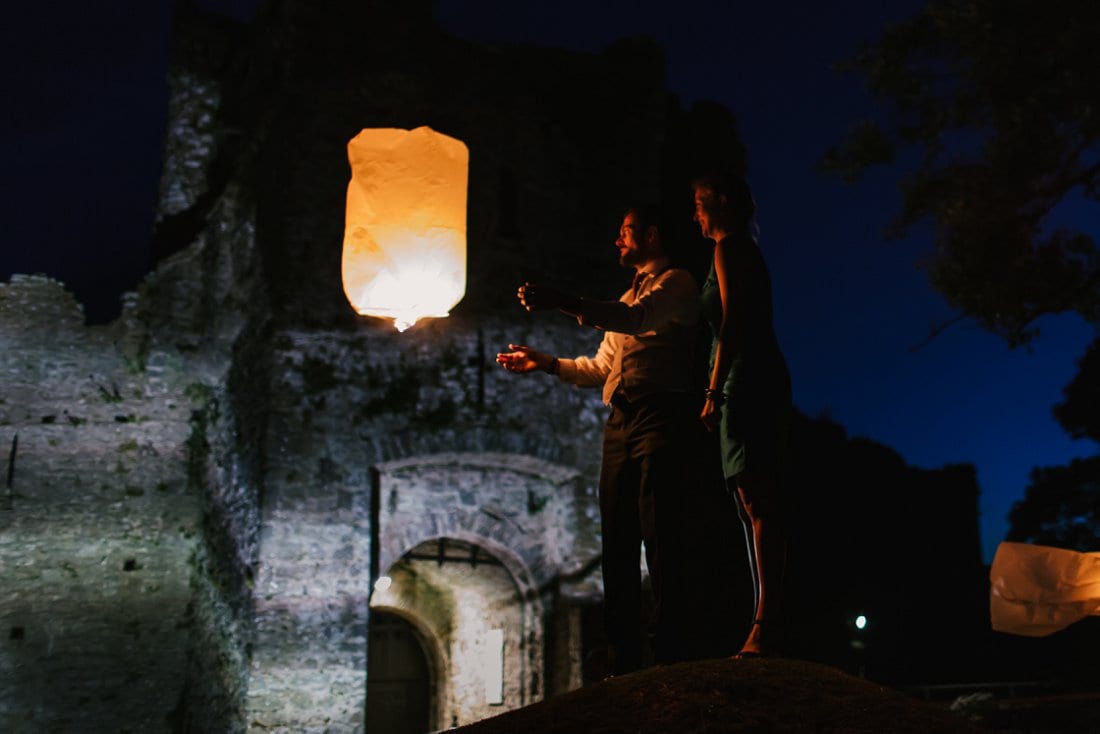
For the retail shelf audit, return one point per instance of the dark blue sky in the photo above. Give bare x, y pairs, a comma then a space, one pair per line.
850, 306
85, 92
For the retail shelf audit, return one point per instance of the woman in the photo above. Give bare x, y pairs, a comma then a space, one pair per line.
748, 399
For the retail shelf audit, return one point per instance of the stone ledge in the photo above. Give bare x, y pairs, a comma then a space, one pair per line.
517, 463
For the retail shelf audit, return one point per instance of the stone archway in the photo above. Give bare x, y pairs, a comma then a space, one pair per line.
519, 515
473, 622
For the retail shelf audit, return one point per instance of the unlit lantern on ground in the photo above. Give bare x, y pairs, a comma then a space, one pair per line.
405, 231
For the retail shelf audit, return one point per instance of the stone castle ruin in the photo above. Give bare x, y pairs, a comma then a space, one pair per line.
220, 505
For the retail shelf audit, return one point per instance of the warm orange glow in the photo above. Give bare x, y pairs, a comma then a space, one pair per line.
1036, 590
405, 231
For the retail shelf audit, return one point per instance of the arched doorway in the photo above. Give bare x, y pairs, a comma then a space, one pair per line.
463, 607
470, 545
399, 690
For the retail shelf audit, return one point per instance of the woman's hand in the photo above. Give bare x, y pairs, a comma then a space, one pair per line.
711, 415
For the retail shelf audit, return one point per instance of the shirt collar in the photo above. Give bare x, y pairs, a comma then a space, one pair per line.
655, 266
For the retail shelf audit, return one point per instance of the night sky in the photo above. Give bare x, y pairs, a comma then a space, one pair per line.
85, 94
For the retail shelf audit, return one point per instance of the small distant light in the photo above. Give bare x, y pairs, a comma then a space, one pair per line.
861, 622
382, 583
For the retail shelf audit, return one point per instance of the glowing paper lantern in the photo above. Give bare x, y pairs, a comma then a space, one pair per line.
1036, 590
405, 231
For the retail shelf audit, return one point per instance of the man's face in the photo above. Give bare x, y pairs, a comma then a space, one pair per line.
706, 208
631, 242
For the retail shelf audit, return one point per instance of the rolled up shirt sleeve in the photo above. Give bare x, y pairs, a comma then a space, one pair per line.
672, 299
590, 371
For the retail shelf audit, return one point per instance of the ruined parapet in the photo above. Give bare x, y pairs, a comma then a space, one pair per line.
98, 520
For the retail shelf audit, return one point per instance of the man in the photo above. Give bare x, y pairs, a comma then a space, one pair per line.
646, 368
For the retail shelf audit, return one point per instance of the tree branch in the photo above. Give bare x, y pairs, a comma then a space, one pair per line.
936, 330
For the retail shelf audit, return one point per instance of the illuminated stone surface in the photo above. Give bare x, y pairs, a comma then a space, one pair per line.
263, 408
99, 524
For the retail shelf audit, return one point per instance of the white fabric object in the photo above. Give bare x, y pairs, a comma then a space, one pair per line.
405, 233
1036, 590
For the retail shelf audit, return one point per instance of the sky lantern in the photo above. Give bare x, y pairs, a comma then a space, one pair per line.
1036, 590
405, 228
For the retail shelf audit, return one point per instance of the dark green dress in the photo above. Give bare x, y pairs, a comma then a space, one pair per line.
757, 414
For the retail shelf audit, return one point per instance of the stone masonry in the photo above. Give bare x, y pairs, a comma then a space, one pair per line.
204, 493
99, 527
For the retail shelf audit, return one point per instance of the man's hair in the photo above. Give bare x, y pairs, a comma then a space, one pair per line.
646, 216
740, 206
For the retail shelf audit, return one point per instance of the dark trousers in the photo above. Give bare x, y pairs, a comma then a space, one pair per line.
643, 487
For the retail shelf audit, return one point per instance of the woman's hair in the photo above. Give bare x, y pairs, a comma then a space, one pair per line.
740, 206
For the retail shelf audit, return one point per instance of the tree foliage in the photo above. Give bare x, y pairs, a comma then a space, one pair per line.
1000, 102
1079, 414
1000, 99
1061, 507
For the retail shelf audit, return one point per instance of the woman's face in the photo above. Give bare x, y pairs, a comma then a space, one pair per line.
706, 211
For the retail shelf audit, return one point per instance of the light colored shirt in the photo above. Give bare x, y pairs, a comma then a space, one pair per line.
649, 342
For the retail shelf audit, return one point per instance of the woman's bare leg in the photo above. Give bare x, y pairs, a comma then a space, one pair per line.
759, 497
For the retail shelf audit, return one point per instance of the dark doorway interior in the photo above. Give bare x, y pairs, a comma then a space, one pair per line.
398, 684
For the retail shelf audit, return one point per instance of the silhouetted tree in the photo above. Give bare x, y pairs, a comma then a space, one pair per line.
1079, 414
1001, 98
1061, 507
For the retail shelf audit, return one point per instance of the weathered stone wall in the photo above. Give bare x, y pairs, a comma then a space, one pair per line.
99, 527
133, 514
555, 155
542, 513
346, 404
535, 519
282, 463
190, 539
207, 304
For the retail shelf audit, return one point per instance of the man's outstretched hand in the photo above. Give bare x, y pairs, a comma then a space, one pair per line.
540, 297
524, 359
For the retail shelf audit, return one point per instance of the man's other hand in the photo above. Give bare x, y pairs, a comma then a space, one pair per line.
524, 359
540, 297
